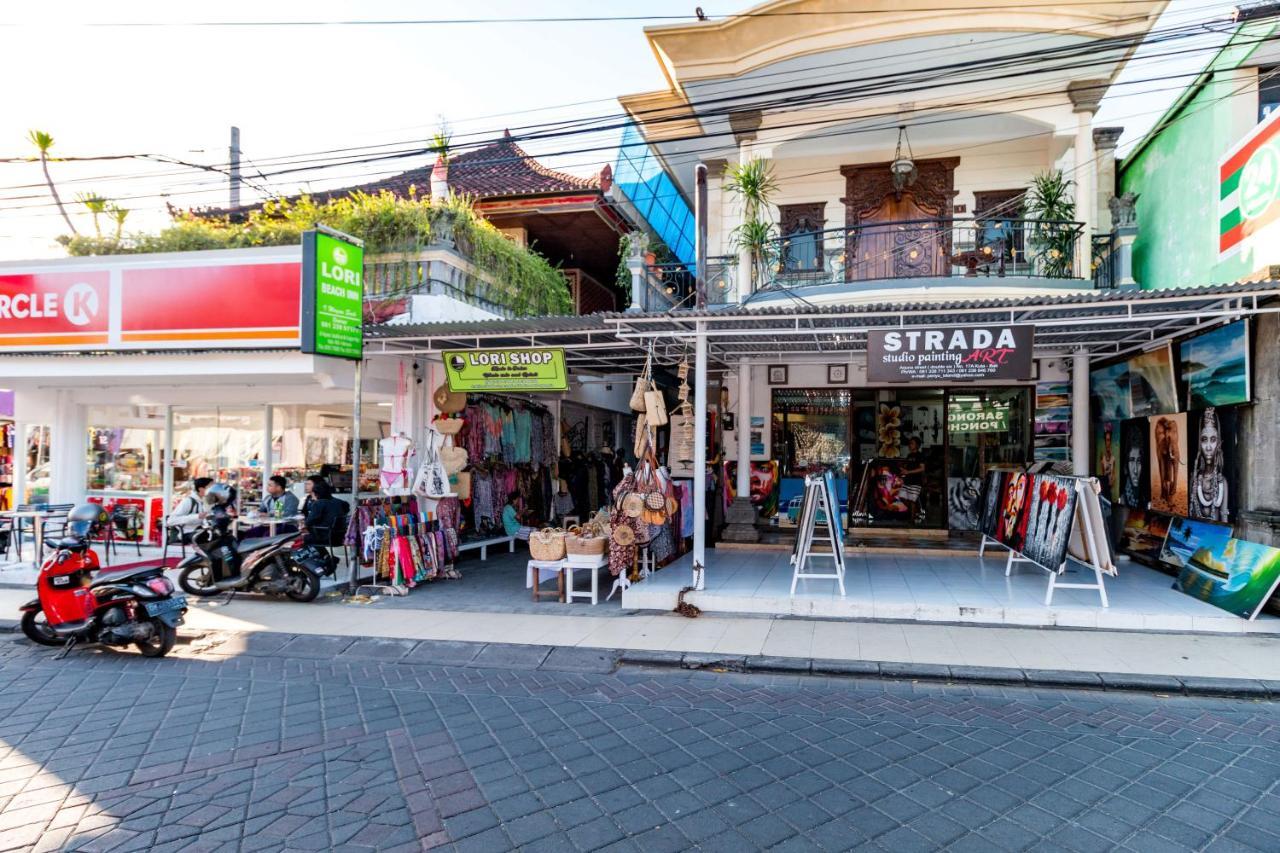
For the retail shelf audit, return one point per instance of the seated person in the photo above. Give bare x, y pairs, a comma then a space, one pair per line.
326, 516
186, 517
278, 501
512, 518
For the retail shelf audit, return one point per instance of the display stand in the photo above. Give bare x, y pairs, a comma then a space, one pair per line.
819, 495
1095, 549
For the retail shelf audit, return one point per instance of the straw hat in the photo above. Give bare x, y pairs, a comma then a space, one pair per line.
448, 401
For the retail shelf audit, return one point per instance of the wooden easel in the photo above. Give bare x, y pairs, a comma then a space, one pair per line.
817, 498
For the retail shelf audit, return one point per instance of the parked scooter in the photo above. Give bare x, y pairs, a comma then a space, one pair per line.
275, 565
116, 608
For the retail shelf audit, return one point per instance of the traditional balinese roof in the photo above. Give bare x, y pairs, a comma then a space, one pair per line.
499, 170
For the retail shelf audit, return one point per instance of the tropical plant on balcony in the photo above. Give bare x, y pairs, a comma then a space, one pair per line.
753, 184
1051, 235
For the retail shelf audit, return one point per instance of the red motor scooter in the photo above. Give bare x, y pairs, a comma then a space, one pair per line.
119, 608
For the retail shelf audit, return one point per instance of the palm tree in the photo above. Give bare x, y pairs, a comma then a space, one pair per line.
754, 184
96, 205
1053, 236
119, 214
43, 142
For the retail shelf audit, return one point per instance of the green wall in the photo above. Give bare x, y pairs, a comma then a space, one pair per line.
1175, 176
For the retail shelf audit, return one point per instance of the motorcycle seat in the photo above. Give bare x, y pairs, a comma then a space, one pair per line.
119, 575
72, 543
246, 546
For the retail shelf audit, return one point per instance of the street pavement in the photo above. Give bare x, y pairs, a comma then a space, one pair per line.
278, 742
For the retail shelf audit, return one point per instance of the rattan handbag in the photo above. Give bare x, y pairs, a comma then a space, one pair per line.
643, 381
584, 542
448, 426
642, 435
624, 535
454, 459
547, 544
655, 406
633, 505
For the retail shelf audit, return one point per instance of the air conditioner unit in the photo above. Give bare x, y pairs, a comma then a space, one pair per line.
333, 422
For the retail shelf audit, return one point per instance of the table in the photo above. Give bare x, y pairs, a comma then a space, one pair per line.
37, 516
564, 570
269, 521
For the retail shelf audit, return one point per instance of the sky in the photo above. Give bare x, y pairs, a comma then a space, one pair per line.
175, 91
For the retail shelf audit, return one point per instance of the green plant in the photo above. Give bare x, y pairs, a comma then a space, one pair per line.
392, 227
118, 215
440, 143
754, 184
1052, 235
43, 142
96, 205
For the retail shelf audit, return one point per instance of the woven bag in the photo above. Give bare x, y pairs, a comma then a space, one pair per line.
655, 500
655, 407
454, 459
624, 535
637, 401
585, 543
642, 435
448, 426
633, 505
547, 544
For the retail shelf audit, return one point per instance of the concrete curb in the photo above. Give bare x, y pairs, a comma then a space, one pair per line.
576, 659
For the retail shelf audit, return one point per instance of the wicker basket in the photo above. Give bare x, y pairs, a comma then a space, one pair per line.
585, 543
449, 426
547, 544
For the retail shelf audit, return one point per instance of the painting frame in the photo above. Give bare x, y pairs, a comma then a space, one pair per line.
1215, 367
777, 374
837, 374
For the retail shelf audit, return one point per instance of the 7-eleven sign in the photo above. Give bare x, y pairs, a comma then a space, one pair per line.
1249, 188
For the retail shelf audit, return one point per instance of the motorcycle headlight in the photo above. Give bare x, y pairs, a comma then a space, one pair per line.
160, 586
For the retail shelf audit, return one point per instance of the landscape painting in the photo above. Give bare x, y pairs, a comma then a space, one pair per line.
1215, 367
1188, 537
1109, 392
1239, 578
1152, 389
1143, 535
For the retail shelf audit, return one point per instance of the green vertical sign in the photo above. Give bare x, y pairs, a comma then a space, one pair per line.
332, 295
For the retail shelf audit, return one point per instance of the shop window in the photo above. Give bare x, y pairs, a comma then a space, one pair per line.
989, 427
998, 229
1268, 90
811, 430
125, 445
801, 228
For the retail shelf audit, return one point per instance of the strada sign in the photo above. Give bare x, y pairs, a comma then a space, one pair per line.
957, 354
197, 300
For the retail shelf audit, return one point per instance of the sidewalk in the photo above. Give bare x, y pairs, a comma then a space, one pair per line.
1064, 650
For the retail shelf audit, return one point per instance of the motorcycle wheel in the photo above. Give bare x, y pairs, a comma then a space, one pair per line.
162, 641
304, 585
202, 584
38, 630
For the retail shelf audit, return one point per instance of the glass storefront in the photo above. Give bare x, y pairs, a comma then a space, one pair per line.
902, 451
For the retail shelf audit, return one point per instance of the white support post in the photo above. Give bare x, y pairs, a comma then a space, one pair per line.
699, 456
166, 475
19, 463
1080, 413
743, 427
268, 457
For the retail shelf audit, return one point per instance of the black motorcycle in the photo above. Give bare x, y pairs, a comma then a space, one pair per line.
275, 565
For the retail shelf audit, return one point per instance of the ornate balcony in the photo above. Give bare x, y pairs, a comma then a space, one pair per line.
923, 249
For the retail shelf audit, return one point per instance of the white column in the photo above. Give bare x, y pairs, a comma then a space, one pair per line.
1086, 193
699, 456
68, 464
743, 486
166, 473
1080, 427
19, 462
268, 458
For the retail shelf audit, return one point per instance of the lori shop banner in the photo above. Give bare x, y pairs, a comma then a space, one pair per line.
952, 354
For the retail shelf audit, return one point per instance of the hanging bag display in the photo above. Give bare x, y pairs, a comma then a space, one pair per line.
642, 435
454, 459
643, 381
655, 406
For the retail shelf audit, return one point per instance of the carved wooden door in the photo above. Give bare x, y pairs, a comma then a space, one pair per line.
900, 239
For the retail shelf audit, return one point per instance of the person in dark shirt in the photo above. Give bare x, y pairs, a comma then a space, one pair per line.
326, 516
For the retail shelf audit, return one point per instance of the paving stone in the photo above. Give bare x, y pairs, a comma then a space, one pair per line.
316, 646
767, 663
1063, 678
651, 657
443, 653
572, 659
844, 667
378, 649
1243, 687
506, 656
710, 660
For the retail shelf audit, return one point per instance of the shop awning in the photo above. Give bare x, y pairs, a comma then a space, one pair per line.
1105, 323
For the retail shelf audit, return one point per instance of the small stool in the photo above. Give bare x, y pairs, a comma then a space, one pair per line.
534, 577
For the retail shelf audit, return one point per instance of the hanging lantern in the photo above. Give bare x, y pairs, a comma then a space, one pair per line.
902, 168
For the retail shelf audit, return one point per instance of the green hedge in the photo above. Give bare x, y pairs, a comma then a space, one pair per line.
387, 223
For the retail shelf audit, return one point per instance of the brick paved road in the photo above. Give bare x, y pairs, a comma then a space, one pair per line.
382, 746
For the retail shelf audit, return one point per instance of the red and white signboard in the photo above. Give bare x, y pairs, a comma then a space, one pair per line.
200, 300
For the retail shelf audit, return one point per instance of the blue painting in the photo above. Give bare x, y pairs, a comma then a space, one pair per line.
1188, 537
1109, 392
1215, 366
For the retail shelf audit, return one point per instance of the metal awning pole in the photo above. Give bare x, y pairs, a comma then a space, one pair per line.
700, 231
699, 458
355, 476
